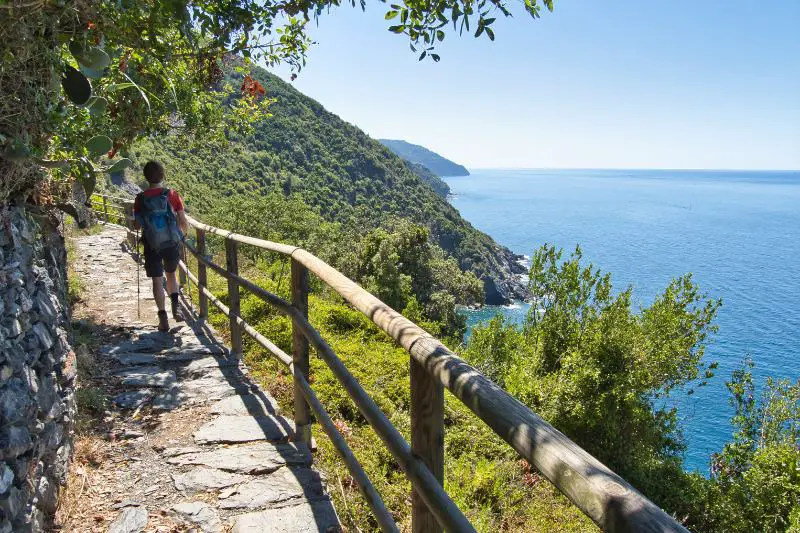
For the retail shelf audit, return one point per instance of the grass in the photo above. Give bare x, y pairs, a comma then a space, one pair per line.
91, 400
76, 287
486, 479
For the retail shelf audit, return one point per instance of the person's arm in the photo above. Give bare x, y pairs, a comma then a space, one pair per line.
177, 204
183, 223
136, 208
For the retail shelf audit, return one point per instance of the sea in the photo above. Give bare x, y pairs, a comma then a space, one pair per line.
737, 232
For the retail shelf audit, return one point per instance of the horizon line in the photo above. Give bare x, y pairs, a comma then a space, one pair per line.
797, 170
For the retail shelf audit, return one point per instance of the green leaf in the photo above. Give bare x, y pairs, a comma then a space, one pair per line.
57, 163
76, 86
76, 49
88, 178
435, 57
141, 92
93, 73
111, 87
390, 15
422, 55
99, 145
490, 33
120, 165
440, 35
95, 58
396, 29
97, 105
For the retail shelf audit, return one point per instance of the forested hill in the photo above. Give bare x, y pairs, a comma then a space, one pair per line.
415, 153
338, 170
438, 185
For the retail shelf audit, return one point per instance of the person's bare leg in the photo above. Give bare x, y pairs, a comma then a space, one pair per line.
172, 282
158, 292
158, 296
172, 289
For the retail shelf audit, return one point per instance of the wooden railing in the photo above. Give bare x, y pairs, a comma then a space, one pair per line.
602, 495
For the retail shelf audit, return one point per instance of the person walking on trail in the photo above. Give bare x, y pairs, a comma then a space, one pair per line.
159, 213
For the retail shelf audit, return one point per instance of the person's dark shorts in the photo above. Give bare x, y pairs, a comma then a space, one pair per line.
156, 262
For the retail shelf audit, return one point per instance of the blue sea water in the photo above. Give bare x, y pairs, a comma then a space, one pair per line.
737, 232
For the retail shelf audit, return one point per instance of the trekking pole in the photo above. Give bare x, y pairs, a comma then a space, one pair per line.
138, 285
188, 279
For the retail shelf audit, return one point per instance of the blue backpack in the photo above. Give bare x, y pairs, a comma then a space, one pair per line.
159, 222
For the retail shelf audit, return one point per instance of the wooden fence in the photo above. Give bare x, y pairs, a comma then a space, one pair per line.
602, 495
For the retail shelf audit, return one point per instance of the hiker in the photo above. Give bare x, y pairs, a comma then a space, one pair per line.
159, 213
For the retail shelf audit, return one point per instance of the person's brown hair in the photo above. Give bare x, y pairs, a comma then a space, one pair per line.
154, 172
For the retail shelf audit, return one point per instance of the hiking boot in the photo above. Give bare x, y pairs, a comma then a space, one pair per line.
177, 315
163, 321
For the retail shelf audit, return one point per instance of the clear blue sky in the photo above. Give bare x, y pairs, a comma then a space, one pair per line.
614, 84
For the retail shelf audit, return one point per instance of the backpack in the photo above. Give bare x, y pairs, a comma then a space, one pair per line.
159, 222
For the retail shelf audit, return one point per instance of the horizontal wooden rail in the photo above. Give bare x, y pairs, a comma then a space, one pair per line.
365, 486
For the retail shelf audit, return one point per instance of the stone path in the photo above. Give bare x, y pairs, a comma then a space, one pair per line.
197, 445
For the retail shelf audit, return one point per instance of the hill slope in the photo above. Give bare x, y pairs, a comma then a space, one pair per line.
419, 154
336, 168
438, 185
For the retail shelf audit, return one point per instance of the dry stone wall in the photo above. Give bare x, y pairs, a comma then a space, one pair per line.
37, 368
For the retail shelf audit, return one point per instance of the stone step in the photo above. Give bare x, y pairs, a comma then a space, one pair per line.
204, 479
283, 485
227, 429
305, 517
146, 376
256, 404
260, 458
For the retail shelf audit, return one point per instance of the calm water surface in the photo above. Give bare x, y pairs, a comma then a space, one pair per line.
737, 232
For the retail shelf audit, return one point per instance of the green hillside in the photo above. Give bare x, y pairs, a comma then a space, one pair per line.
441, 166
345, 175
438, 185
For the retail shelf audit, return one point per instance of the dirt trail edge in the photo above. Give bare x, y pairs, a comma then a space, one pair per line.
188, 441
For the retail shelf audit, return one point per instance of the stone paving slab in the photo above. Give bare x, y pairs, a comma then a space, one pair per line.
302, 518
246, 404
227, 429
200, 514
282, 485
260, 458
148, 376
203, 479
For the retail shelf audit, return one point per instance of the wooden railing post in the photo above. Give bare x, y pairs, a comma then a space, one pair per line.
232, 264
202, 276
105, 209
127, 214
427, 439
302, 412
